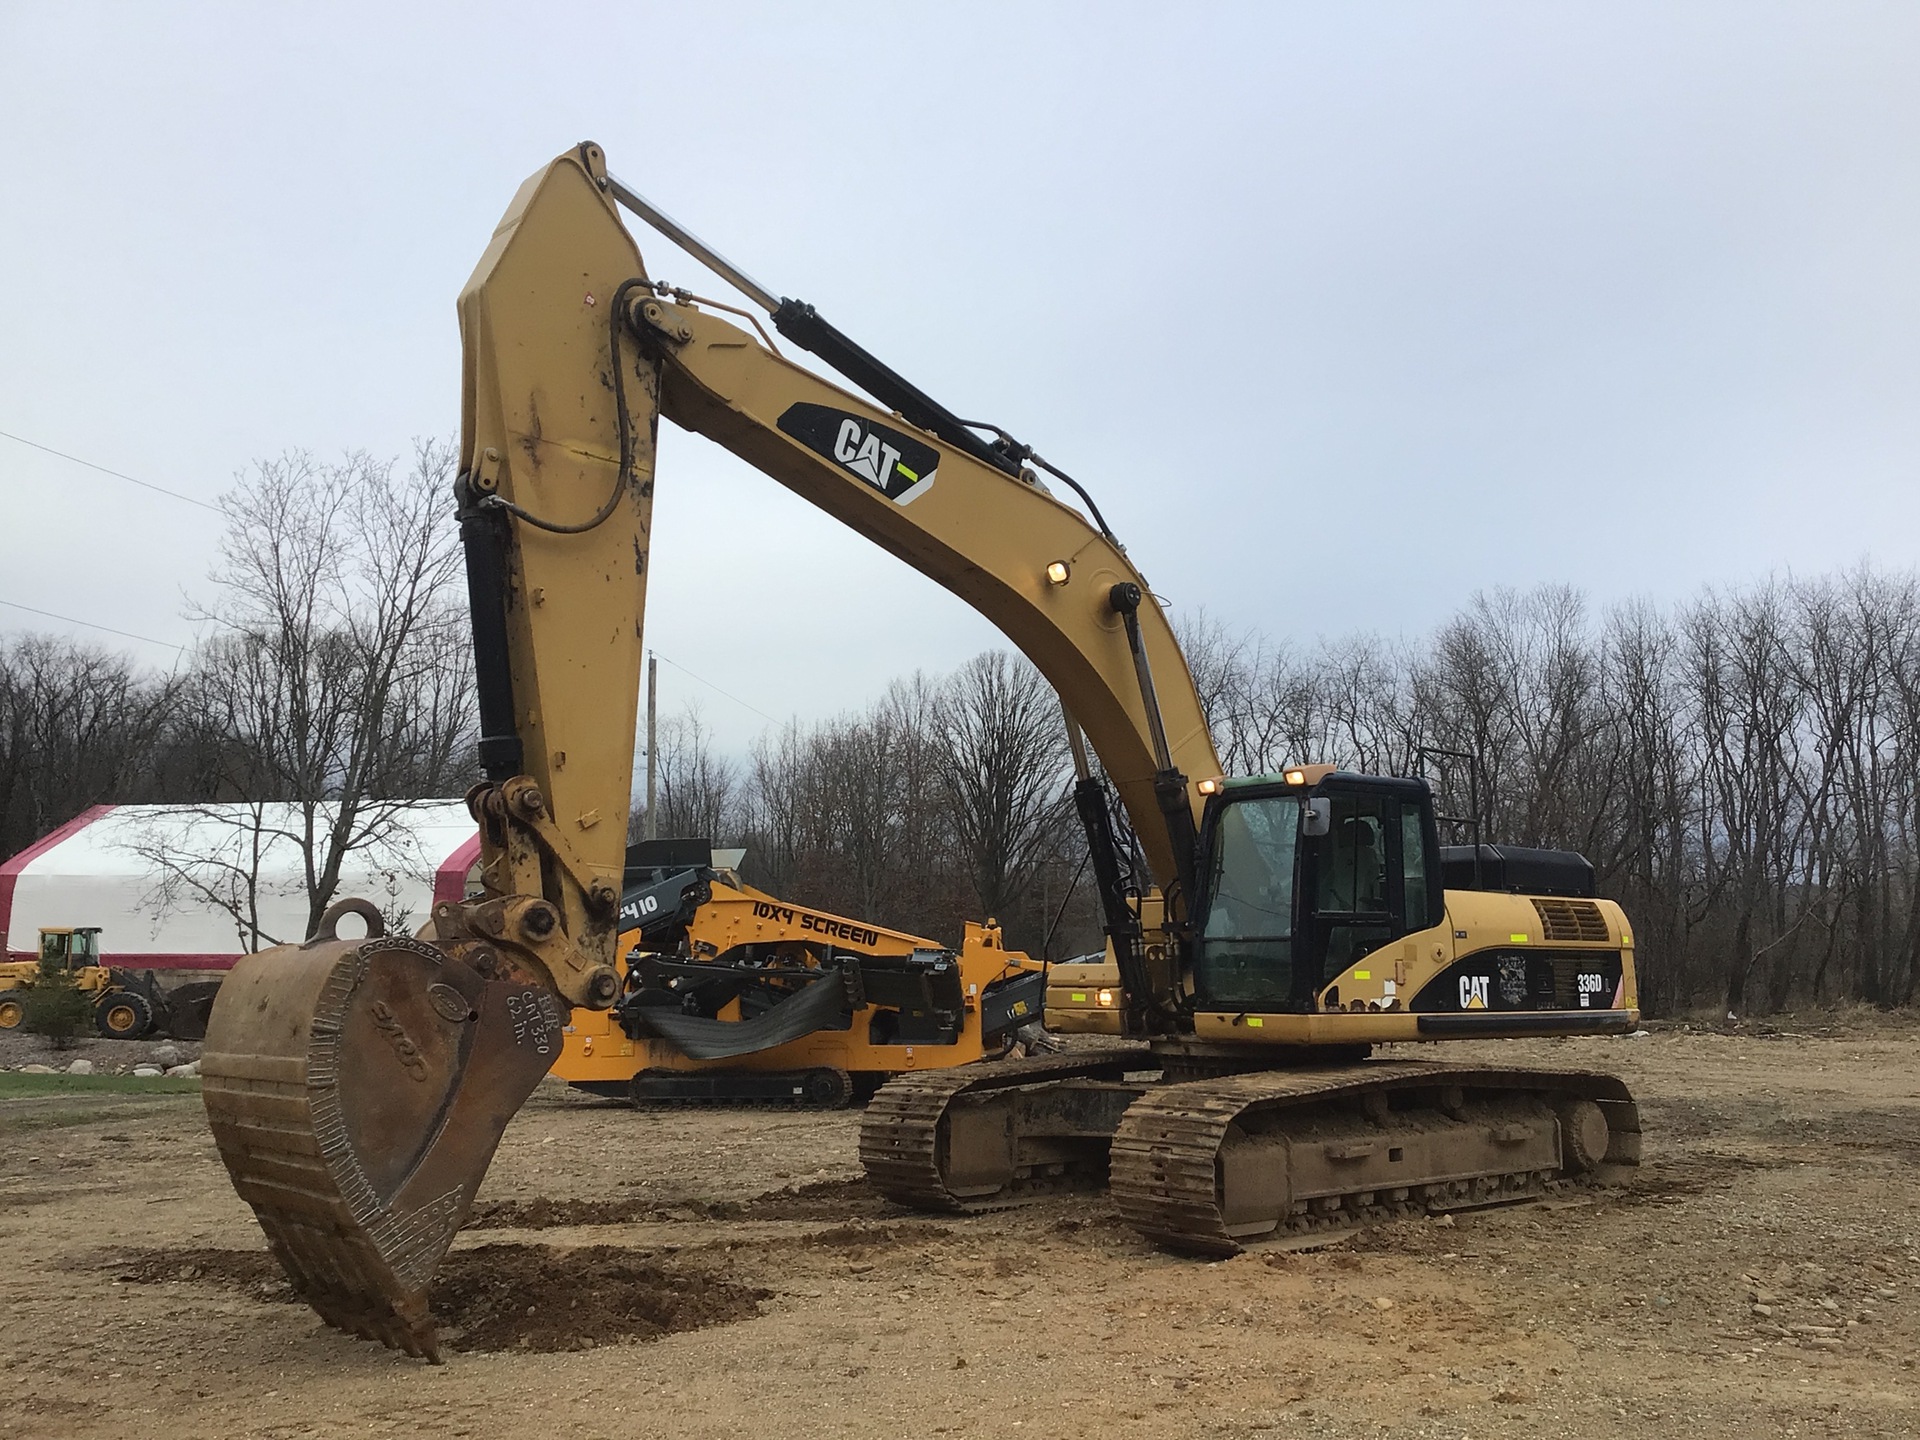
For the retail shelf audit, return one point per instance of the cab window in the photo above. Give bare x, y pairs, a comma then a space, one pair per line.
1353, 859
1356, 882
1415, 914
1245, 952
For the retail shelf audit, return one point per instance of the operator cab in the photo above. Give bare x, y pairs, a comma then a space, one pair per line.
1304, 874
70, 948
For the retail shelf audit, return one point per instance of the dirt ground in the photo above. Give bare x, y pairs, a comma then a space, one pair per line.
713, 1273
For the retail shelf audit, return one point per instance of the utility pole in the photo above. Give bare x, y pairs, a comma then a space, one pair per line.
653, 695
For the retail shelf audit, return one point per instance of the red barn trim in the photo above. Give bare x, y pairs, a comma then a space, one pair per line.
450, 880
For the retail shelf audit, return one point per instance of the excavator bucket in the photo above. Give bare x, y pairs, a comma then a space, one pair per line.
357, 1090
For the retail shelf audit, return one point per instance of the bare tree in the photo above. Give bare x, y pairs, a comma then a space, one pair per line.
78, 726
336, 677
697, 788
204, 857
1004, 765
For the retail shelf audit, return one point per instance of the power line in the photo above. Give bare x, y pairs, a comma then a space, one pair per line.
175, 494
118, 475
125, 634
711, 686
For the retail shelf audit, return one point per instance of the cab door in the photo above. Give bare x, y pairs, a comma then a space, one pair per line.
1368, 882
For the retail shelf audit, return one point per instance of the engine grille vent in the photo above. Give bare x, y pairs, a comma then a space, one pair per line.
1571, 920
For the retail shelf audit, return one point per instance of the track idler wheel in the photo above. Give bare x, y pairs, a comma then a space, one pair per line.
826, 1089
357, 1090
1584, 1135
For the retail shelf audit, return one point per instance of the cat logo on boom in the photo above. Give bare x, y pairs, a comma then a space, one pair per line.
867, 456
891, 461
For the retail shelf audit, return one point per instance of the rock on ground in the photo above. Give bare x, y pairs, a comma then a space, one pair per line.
19, 1047
80, 1067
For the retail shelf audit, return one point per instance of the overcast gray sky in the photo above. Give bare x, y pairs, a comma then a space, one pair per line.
1343, 312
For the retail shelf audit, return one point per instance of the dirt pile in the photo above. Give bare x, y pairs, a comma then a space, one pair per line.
527, 1297
251, 1270
822, 1200
497, 1298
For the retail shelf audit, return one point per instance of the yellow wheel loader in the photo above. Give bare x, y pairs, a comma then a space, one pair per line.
1275, 928
732, 995
126, 1005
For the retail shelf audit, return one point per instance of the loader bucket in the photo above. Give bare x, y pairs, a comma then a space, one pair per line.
187, 1009
357, 1090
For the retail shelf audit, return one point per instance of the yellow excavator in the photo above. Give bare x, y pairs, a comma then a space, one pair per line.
732, 995
1263, 933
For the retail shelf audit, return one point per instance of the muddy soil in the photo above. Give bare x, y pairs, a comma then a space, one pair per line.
1759, 1276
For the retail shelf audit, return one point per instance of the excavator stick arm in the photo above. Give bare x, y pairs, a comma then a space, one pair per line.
558, 422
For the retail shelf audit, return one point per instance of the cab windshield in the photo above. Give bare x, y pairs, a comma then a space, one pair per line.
1245, 952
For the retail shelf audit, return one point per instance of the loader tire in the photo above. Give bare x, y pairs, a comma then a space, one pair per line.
123, 1015
13, 1008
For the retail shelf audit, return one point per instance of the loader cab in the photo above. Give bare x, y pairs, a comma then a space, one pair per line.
1304, 874
70, 948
